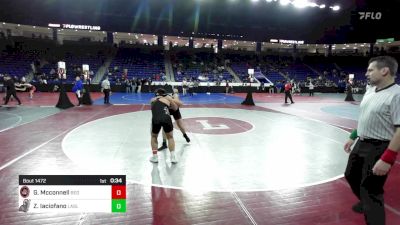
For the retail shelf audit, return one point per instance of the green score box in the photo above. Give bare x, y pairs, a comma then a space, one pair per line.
118, 205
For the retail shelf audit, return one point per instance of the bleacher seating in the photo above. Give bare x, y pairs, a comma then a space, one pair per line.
192, 64
298, 71
16, 64
140, 62
241, 69
74, 54
17, 54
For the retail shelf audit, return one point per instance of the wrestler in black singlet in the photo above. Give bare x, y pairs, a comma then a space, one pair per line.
175, 113
161, 117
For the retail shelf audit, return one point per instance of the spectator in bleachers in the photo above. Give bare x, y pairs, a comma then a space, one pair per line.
139, 85
191, 87
42, 79
133, 85
109, 74
118, 82
127, 84
226, 87
52, 71
163, 77
278, 87
271, 89
150, 83
296, 87
124, 76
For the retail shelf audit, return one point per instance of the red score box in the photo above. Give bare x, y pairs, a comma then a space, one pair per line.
119, 192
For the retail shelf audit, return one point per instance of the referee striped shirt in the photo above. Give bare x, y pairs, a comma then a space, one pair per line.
105, 84
380, 113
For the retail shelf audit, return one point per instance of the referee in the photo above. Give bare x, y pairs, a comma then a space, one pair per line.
11, 91
377, 139
106, 89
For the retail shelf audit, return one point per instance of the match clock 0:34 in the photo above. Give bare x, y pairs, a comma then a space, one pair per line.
116, 180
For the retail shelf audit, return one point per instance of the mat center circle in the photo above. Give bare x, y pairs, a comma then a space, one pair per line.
230, 149
216, 125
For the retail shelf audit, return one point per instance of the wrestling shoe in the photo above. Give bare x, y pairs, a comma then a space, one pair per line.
154, 159
187, 138
173, 158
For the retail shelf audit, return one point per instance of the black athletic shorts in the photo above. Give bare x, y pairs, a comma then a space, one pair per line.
176, 114
166, 124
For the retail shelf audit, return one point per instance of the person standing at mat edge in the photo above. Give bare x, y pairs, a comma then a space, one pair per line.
376, 140
78, 89
10, 85
311, 88
161, 118
288, 89
106, 89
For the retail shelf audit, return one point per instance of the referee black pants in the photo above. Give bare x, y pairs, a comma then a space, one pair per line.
364, 184
106, 96
288, 95
9, 94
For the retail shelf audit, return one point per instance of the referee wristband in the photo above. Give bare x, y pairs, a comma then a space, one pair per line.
389, 156
353, 134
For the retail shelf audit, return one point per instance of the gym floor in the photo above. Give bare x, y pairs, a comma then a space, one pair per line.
273, 163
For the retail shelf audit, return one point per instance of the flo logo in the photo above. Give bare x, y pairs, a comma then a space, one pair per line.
370, 15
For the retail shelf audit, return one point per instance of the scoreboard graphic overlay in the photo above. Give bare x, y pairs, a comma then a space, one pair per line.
72, 193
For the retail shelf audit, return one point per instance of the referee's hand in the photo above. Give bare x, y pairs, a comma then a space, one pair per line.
347, 146
381, 168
